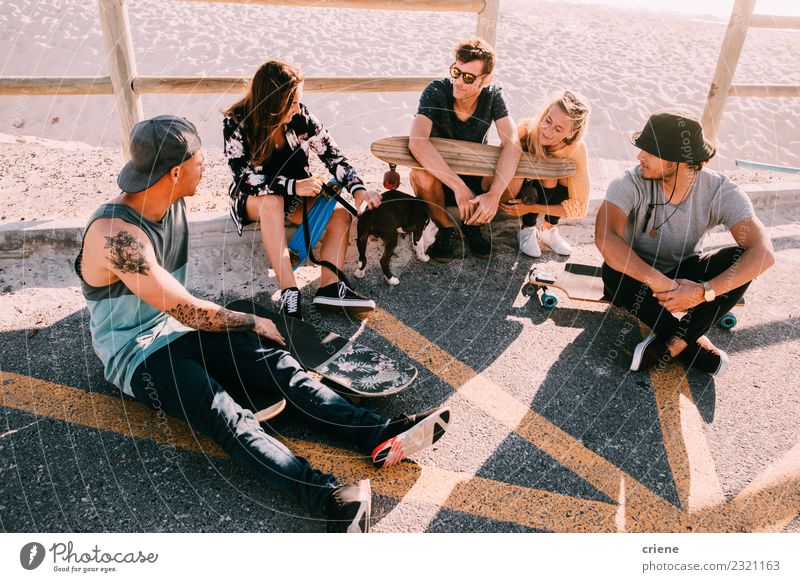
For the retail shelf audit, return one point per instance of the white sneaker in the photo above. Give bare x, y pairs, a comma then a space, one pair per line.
528, 239
553, 239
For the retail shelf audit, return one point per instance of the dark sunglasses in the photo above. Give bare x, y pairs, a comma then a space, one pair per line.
469, 78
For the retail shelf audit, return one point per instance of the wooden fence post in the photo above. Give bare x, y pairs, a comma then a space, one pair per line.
487, 21
121, 65
726, 66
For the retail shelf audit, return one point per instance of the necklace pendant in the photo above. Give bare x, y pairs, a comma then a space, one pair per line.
653, 232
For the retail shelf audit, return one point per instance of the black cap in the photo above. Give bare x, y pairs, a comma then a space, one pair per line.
674, 136
157, 145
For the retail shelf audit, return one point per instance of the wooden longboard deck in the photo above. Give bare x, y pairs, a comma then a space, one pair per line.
469, 158
271, 412
355, 368
578, 282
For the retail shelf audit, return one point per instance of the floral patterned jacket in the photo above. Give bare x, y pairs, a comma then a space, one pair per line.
304, 131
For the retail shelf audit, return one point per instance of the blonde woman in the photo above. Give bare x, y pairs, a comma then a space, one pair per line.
557, 132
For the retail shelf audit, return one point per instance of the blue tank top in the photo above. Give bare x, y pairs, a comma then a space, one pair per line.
125, 329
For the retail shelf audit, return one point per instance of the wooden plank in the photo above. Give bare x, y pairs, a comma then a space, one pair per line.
415, 5
194, 84
726, 66
487, 21
469, 159
55, 86
772, 21
121, 65
758, 90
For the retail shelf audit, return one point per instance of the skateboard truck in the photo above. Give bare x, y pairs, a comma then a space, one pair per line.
391, 179
543, 279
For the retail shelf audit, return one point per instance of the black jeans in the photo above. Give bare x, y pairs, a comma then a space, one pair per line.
532, 192
636, 297
215, 381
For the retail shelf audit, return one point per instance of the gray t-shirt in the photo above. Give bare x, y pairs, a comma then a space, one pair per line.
713, 201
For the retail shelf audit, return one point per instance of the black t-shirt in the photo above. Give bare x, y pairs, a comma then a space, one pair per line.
436, 103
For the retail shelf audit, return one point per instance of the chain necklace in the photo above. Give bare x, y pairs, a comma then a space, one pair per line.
654, 231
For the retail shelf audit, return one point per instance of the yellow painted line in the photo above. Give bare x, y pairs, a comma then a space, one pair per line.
645, 511
769, 503
407, 482
688, 455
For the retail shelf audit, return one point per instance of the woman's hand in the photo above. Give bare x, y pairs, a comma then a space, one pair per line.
308, 187
515, 207
370, 197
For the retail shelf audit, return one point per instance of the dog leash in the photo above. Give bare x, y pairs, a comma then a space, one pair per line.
330, 193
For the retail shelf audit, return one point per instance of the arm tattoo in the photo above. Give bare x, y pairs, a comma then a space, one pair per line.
126, 253
205, 320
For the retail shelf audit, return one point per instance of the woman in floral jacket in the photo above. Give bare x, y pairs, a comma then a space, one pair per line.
268, 135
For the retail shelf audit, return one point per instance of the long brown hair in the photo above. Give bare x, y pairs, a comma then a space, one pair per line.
266, 103
573, 107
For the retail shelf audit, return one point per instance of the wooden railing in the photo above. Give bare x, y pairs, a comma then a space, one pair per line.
127, 85
722, 86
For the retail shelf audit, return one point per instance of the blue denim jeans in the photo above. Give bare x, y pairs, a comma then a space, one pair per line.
214, 381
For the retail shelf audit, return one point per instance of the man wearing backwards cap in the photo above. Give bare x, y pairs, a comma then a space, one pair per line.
192, 358
650, 230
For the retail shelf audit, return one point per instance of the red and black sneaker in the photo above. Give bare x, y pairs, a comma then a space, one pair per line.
706, 357
406, 435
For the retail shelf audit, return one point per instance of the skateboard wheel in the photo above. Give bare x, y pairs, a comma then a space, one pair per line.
391, 180
549, 301
528, 290
728, 321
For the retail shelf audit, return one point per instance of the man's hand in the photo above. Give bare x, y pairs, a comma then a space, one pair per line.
308, 187
266, 328
685, 295
463, 197
484, 207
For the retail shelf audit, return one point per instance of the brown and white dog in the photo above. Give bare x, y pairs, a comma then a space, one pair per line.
398, 213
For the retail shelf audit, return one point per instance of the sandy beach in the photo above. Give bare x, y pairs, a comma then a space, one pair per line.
627, 62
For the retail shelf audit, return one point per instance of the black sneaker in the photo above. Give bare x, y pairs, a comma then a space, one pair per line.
706, 357
340, 295
441, 250
649, 353
289, 303
478, 246
349, 507
405, 435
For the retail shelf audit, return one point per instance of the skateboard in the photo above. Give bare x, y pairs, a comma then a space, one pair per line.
318, 218
354, 368
583, 283
270, 412
466, 158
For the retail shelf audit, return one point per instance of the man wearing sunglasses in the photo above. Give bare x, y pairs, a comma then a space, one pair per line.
462, 107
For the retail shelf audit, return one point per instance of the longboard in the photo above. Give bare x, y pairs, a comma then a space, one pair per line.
583, 283
270, 412
353, 367
469, 159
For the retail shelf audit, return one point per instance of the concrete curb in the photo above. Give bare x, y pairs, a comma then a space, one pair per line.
26, 240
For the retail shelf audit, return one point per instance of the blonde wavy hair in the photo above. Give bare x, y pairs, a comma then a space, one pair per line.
573, 107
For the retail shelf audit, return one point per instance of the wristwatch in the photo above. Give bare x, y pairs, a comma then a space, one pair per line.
708, 293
